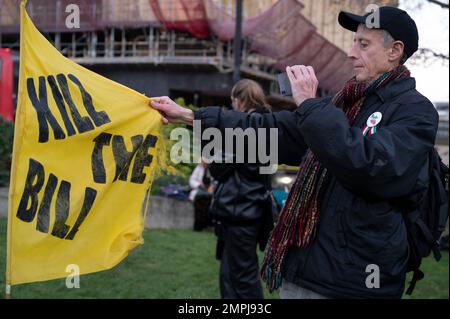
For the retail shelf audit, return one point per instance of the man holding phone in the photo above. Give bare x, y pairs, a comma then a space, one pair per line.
358, 153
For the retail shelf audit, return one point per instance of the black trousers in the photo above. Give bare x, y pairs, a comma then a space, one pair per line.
239, 276
201, 216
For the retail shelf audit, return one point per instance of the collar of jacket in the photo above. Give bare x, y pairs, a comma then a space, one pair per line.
260, 109
395, 88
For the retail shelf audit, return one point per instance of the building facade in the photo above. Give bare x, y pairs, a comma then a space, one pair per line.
166, 47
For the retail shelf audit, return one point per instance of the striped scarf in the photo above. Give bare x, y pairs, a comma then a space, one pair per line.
298, 219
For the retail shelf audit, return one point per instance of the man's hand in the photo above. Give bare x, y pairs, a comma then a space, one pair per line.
303, 82
171, 112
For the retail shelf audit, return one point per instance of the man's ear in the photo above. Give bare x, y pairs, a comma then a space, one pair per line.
396, 51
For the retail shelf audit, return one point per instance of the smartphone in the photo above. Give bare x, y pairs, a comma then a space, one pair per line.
284, 84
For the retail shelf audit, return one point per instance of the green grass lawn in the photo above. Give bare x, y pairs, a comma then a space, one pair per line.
174, 264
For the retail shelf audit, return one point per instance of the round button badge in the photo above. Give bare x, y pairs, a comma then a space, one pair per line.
374, 119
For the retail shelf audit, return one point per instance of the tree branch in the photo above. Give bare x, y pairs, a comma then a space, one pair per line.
426, 51
440, 3
426, 57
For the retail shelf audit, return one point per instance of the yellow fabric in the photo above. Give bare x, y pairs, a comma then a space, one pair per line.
37, 250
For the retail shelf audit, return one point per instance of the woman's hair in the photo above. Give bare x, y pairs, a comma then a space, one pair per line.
250, 95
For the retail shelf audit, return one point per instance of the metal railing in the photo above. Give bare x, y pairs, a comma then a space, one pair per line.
149, 45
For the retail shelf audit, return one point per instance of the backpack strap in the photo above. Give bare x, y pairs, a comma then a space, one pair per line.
429, 237
417, 275
414, 218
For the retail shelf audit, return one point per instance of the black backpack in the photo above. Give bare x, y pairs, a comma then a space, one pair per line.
427, 221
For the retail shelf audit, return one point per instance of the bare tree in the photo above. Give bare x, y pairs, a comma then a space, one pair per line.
427, 56
440, 3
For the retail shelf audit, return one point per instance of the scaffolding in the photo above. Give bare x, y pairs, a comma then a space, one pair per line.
182, 32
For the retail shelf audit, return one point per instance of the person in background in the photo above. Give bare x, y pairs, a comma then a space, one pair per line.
240, 208
197, 179
200, 195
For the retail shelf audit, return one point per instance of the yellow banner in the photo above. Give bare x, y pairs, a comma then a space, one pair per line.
85, 153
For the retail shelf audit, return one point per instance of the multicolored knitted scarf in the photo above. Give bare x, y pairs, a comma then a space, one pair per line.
298, 219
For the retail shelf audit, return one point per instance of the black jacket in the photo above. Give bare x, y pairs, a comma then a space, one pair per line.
361, 220
242, 193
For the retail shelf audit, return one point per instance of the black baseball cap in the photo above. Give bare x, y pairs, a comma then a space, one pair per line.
394, 20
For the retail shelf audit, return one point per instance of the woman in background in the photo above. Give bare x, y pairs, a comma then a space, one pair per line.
241, 204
